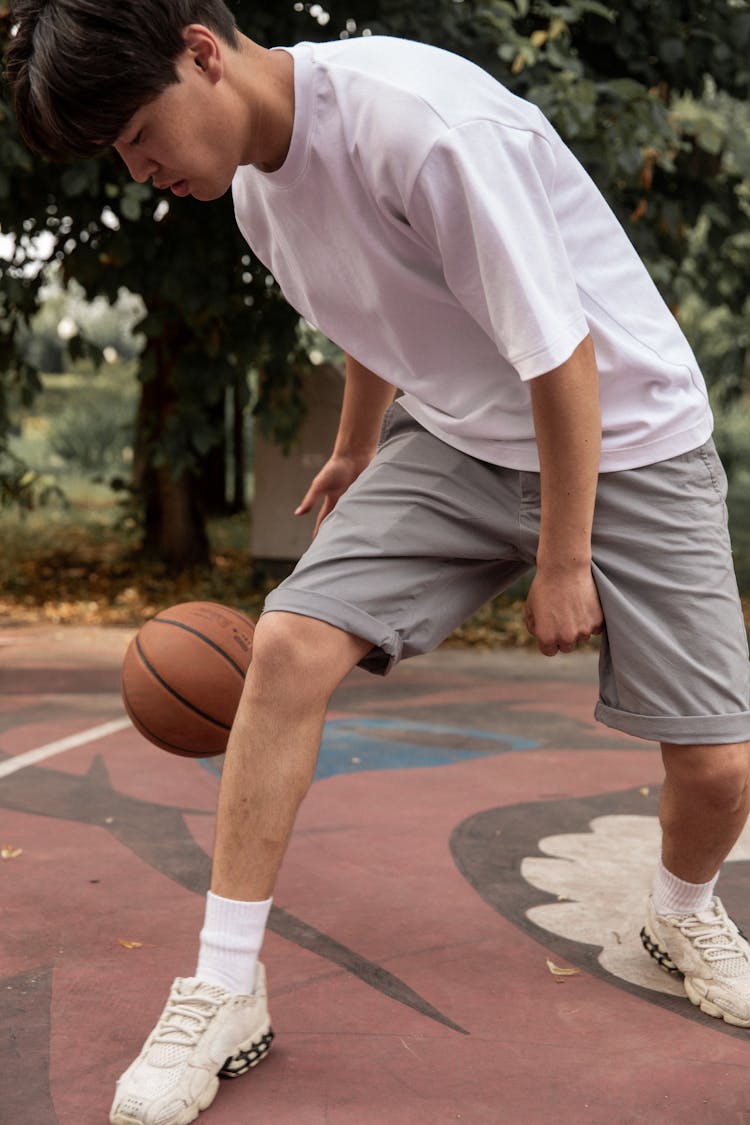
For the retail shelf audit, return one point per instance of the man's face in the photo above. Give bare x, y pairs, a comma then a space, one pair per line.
183, 139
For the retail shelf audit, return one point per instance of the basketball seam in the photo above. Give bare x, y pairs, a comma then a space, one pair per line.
176, 694
152, 735
202, 637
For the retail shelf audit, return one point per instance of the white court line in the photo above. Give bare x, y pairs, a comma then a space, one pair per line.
31, 757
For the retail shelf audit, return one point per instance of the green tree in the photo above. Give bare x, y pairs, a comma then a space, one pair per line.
653, 99
212, 313
647, 92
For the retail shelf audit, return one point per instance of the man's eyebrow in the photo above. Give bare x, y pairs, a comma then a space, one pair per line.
130, 133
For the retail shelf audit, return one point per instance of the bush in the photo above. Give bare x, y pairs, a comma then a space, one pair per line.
732, 436
96, 434
24, 489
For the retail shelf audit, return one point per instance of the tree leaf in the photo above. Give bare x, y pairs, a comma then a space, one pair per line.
559, 972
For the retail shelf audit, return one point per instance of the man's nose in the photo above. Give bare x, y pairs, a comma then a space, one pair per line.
140, 168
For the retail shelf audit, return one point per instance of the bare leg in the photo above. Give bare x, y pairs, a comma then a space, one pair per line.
270, 762
704, 805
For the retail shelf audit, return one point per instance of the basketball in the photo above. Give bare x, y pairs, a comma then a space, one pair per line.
182, 677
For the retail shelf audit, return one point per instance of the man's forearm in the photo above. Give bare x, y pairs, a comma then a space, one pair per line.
567, 421
366, 398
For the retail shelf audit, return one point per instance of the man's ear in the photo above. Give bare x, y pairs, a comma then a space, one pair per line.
204, 49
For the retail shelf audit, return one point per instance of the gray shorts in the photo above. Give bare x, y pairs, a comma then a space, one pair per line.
428, 534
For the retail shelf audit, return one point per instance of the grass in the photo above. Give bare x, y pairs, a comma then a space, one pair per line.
78, 562
76, 567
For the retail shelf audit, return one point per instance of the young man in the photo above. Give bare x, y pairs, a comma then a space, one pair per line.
552, 414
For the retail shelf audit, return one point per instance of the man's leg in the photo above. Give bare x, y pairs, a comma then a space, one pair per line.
269, 765
209, 1027
704, 806
385, 566
297, 663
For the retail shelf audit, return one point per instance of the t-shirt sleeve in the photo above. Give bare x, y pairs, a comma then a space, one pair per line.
482, 199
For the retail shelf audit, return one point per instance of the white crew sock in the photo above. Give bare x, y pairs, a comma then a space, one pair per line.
230, 942
674, 896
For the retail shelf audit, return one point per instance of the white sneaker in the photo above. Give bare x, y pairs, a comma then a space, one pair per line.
710, 953
203, 1032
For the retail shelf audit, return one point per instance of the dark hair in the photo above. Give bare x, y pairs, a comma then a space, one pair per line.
79, 69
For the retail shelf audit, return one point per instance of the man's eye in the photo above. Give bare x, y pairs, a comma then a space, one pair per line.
137, 138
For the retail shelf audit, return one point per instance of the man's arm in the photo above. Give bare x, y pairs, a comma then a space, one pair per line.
366, 398
563, 606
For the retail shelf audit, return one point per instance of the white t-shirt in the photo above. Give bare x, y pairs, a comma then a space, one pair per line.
434, 226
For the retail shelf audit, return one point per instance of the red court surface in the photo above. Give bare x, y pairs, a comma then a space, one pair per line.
471, 832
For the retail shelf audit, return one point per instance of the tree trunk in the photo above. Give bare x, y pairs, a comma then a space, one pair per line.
213, 480
239, 452
178, 536
174, 521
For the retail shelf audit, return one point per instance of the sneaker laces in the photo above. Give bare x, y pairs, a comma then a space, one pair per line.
183, 1022
717, 939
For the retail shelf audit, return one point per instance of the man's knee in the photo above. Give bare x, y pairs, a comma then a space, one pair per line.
710, 776
302, 656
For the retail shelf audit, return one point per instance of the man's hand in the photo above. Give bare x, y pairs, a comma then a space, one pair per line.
330, 484
366, 397
563, 609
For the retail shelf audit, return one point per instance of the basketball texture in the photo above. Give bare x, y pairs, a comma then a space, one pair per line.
182, 677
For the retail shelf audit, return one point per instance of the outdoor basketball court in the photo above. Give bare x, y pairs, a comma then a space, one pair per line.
455, 935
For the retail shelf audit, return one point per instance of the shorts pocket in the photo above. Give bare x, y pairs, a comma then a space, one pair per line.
715, 469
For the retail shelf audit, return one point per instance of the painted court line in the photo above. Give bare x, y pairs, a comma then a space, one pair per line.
31, 757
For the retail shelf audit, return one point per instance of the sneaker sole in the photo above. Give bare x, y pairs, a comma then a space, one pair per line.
190, 1114
662, 958
710, 1008
248, 1054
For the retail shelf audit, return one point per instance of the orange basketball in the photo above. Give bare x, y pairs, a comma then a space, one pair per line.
182, 677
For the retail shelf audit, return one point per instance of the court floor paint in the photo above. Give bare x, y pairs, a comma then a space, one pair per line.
471, 832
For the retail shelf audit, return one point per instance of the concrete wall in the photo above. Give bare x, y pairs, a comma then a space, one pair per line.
279, 537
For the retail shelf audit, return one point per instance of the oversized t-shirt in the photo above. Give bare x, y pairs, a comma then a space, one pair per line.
435, 227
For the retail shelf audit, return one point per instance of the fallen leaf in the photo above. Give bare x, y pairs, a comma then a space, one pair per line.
558, 972
639, 211
9, 852
130, 944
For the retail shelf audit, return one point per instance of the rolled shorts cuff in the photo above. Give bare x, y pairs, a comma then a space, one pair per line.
386, 643
682, 730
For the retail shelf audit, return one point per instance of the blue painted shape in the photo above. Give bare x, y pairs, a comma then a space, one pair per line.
354, 745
